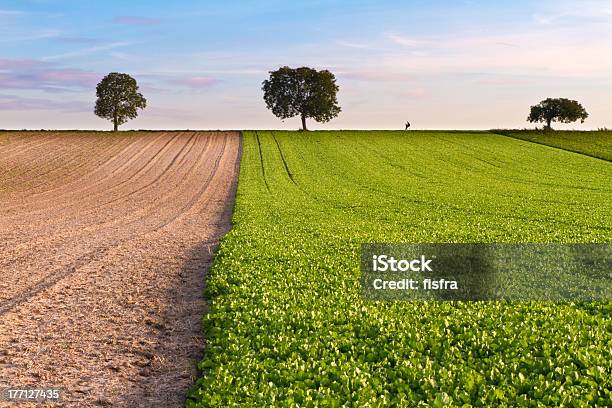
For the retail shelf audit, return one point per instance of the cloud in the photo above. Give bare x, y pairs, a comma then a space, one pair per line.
511, 81
220, 71
136, 20
376, 76
121, 56
575, 12
29, 37
19, 103
5, 12
78, 40
169, 113
11, 64
505, 44
239, 99
196, 82
29, 74
402, 40
413, 93
87, 51
349, 44
169, 82
559, 52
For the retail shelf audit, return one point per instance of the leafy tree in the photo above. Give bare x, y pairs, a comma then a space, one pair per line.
118, 98
557, 110
302, 91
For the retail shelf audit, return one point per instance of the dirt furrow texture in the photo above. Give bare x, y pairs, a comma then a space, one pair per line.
101, 275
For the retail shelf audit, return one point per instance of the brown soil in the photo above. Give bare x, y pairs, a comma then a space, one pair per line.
104, 245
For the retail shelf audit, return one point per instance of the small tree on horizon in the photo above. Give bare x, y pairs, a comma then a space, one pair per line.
118, 99
557, 110
303, 92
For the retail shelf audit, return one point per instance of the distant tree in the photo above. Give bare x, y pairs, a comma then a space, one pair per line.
302, 91
557, 110
118, 98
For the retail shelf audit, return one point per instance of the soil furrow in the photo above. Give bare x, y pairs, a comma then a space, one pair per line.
102, 283
60, 240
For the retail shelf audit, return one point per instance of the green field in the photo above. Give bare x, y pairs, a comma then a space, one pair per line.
287, 324
596, 144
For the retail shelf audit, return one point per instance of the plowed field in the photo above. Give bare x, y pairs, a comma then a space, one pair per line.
104, 243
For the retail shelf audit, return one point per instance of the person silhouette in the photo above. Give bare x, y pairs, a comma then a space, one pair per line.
407, 125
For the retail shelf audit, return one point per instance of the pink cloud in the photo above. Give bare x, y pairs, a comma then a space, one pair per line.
413, 93
7, 64
71, 76
197, 82
377, 76
171, 113
505, 80
52, 77
44, 75
18, 103
135, 20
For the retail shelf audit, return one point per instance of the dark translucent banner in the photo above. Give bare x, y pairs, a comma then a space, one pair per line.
557, 272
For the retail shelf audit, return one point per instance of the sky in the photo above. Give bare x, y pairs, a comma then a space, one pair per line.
447, 64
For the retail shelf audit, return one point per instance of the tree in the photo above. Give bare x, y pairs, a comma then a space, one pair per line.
302, 91
118, 98
557, 110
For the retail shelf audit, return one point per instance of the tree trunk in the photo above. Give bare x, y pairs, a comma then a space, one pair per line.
304, 122
115, 124
548, 123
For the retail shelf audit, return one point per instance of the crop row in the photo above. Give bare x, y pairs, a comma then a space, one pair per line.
287, 324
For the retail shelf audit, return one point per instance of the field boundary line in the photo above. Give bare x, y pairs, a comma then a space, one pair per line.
553, 147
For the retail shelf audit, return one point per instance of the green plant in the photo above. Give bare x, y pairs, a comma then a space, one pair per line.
287, 325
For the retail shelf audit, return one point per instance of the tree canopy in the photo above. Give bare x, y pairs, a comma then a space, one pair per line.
303, 92
118, 98
557, 110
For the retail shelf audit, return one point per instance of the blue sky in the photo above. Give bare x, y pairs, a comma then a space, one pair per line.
440, 64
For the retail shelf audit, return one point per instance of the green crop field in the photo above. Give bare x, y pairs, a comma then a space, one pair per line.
596, 144
287, 324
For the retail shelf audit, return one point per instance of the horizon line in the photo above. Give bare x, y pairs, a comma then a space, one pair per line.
298, 130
